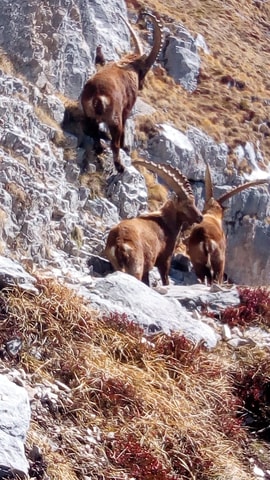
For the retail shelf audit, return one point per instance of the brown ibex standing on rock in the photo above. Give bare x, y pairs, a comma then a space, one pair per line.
136, 245
206, 244
111, 93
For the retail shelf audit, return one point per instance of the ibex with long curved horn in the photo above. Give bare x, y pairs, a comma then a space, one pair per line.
136, 245
111, 93
206, 244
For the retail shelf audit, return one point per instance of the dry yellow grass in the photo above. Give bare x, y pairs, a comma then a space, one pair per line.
162, 409
236, 34
5, 63
96, 182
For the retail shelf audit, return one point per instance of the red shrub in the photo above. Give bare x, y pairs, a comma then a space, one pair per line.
140, 463
121, 323
254, 307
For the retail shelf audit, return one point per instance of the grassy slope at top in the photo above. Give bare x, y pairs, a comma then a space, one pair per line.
237, 35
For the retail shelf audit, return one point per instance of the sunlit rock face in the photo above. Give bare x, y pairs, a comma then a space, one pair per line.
57, 46
248, 260
181, 58
43, 203
14, 423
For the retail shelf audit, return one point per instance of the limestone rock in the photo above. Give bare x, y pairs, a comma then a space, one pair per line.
128, 192
189, 151
12, 273
57, 46
200, 296
122, 293
181, 59
14, 423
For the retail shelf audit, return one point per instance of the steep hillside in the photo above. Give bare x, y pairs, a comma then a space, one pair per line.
115, 396
109, 402
232, 101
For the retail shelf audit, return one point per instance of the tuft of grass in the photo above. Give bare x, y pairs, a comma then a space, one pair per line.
18, 193
96, 182
6, 64
45, 117
77, 236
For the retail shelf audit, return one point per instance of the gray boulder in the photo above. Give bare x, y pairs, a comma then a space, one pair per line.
199, 296
13, 274
128, 192
14, 423
189, 151
181, 59
124, 294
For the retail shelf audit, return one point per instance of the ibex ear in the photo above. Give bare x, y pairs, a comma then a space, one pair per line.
208, 184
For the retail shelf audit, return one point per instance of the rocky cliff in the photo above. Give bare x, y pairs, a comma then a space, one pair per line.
58, 201
47, 53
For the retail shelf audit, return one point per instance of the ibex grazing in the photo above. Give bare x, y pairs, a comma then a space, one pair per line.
111, 93
136, 245
206, 244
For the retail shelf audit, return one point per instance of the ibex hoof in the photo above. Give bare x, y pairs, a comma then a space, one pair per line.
119, 167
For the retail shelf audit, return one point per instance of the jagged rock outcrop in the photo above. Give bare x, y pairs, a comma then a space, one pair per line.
14, 423
13, 274
189, 151
129, 193
55, 45
248, 242
182, 61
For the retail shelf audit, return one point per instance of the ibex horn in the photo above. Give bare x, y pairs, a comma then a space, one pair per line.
149, 60
208, 184
171, 175
238, 189
138, 46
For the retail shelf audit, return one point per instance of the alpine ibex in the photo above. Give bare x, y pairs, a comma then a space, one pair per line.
136, 245
206, 244
111, 93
